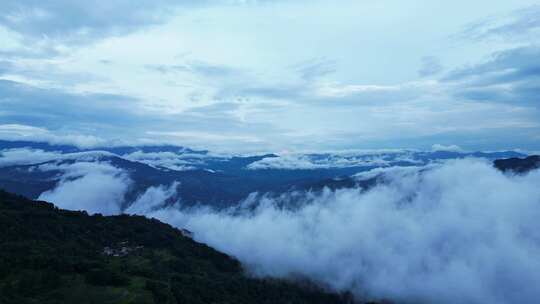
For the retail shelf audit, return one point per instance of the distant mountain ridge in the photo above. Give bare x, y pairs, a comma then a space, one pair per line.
518, 165
218, 181
204, 159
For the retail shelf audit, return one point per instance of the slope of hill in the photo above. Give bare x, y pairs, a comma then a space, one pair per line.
49, 255
518, 165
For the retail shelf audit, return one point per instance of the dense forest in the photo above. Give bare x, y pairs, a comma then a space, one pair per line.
48, 255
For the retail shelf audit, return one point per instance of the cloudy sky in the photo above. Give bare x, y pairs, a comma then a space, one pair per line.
272, 75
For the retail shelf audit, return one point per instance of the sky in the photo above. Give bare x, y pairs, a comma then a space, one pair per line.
272, 75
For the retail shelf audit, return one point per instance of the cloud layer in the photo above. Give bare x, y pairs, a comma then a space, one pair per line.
441, 236
90, 186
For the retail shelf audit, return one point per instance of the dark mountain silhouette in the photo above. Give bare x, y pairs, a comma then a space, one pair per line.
56, 256
518, 165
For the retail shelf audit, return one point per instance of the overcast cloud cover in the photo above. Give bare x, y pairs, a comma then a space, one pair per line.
272, 75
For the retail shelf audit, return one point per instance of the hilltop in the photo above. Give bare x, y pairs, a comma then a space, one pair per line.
49, 255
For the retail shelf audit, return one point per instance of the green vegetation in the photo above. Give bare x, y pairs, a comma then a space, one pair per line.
49, 255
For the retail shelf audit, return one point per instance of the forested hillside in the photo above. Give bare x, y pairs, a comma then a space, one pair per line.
49, 255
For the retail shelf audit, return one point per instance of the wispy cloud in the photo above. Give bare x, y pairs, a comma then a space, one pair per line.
519, 24
315, 68
198, 68
430, 66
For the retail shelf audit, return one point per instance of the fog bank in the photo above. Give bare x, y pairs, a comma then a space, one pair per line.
458, 233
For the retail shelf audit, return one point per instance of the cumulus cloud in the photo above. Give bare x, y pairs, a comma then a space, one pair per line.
448, 148
461, 232
94, 187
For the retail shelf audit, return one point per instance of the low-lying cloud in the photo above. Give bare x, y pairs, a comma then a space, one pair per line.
153, 199
93, 187
169, 160
461, 232
335, 160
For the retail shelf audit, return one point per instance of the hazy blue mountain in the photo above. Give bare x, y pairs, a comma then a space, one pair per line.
201, 176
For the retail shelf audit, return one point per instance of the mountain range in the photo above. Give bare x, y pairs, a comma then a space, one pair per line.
202, 177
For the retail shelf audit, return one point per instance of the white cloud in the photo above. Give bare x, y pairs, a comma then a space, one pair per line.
449, 148
25, 156
439, 236
31, 133
153, 198
169, 160
392, 172
296, 161
94, 187
334, 90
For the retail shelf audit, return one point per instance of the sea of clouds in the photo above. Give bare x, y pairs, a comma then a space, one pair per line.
457, 232
461, 232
